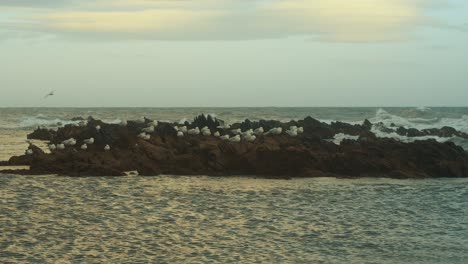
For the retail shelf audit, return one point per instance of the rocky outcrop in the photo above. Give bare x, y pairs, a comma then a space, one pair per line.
310, 154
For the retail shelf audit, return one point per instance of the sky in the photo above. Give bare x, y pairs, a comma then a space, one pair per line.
233, 53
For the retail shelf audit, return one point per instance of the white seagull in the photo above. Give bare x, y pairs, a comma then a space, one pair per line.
60, 146
235, 139
107, 148
259, 131
195, 131
69, 142
250, 138
292, 133
149, 129
89, 141
275, 131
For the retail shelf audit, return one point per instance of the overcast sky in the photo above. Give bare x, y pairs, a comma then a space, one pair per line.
234, 52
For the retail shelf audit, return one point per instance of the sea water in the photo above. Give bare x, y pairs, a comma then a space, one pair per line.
167, 219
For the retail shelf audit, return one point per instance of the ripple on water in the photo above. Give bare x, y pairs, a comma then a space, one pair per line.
201, 219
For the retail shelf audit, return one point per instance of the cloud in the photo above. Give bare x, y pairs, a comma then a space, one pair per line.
327, 20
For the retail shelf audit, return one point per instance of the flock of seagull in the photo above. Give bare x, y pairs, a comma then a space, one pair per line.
249, 135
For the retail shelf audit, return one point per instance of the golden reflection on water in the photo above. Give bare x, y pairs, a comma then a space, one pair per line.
229, 220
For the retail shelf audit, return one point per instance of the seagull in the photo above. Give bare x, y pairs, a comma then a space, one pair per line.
69, 142
49, 94
89, 141
194, 131
61, 146
84, 147
98, 127
292, 133
250, 138
107, 148
259, 131
235, 139
236, 131
275, 131
206, 131
149, 129
247, 133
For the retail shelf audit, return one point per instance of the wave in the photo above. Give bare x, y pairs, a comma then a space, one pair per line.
391, 120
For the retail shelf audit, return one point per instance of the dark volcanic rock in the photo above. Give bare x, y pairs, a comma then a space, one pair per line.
42, 134
310, 154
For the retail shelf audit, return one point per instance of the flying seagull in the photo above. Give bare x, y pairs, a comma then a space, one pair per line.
49, 94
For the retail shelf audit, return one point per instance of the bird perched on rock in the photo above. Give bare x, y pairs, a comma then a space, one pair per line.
194, 131
98, 127
144, 136
292, 133
149, 129
235, 139
89, 141
274, 131
259, 131
236, 131
60, 146
69, 142
250, 138
247, 133
206, 131
107, 148
84, 147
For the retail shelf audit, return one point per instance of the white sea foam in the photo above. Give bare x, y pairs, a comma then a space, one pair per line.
338, 138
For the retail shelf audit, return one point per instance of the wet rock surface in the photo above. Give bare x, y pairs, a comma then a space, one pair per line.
310, 153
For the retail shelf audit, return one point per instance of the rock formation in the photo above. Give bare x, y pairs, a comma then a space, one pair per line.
309, 154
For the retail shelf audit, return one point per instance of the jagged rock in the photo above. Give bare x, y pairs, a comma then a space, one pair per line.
310, 154
42, 134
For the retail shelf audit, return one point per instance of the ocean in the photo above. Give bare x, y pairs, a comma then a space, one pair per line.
167, 219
